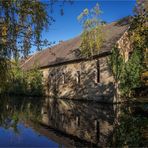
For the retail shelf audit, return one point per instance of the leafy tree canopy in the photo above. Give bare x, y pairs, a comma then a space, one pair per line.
21, 25
129, 74
92, 37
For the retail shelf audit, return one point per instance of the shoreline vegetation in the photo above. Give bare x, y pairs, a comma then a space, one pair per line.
26, 83
21, 28
130, 76
129, 124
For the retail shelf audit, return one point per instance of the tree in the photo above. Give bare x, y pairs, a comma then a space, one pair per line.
139, 34
141, 8
129, 74
21, 24
92, 37
4, 66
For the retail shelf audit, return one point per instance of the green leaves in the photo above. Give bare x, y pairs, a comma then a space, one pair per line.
21, 28
129, 131
92, 37
128, 74
84, 13
24, 21
91, 42
23, 83
4, 73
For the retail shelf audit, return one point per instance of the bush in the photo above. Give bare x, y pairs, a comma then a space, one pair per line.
24, 82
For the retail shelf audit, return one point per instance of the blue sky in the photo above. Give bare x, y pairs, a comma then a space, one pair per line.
67, 26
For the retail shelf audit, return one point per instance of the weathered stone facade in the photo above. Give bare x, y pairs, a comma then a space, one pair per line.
125, 46
90, 79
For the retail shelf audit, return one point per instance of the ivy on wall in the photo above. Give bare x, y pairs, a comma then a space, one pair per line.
127, 74
131, 74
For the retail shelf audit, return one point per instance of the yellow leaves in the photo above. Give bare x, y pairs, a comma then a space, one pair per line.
144, 78
92, 36
139, 33
4, 30
92, 41
84, 13
145, 74
96, 10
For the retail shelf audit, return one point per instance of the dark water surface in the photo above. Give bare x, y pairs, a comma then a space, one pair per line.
36, 122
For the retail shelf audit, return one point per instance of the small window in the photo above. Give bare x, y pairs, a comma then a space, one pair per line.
97, 129
62, 117
63, 78
50, 78
144, 10
130, 54
42, 74
51, 75
78, 77
78, 121
95, 75
98, 71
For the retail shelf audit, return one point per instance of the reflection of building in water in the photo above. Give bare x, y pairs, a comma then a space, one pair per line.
92, 122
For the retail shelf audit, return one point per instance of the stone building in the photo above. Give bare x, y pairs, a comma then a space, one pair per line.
67, 74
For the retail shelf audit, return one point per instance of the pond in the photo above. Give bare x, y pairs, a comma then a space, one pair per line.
47, 122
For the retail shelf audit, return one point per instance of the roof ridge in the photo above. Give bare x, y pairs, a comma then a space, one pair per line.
29, 59
65, 51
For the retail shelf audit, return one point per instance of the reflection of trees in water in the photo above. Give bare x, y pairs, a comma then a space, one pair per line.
132, 127
104, 124
13, 110
97, 123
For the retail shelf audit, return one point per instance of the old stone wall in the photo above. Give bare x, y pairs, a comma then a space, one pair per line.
125, 46
81, 80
